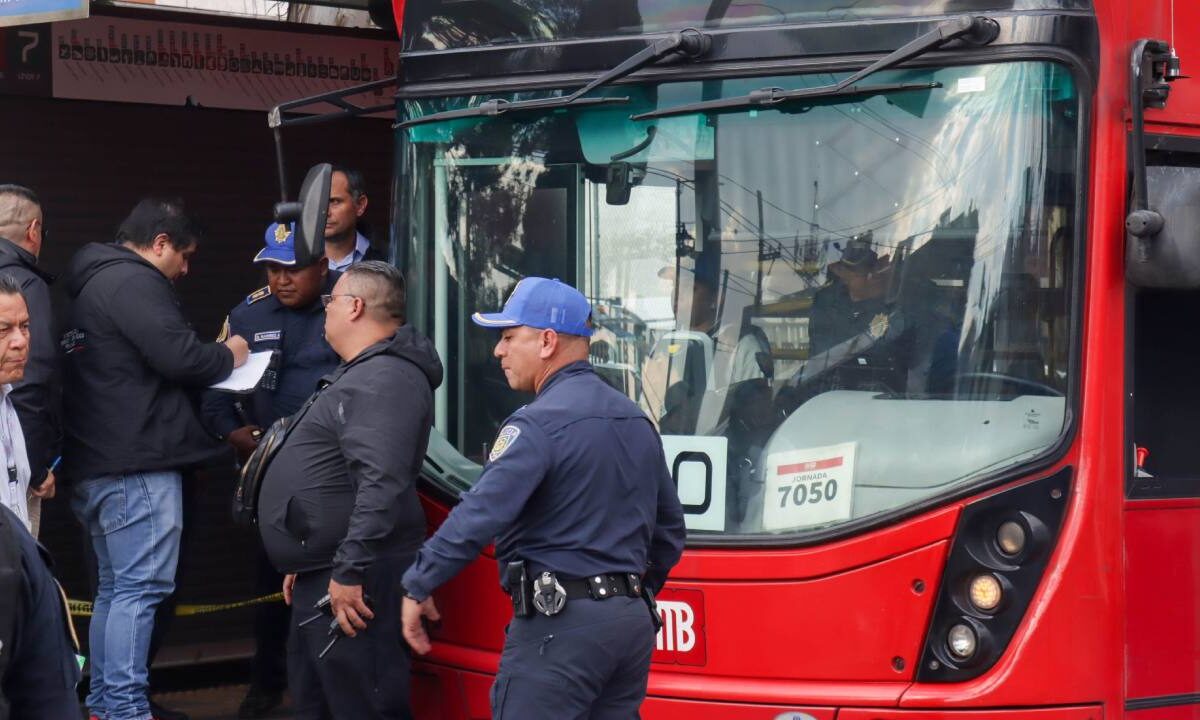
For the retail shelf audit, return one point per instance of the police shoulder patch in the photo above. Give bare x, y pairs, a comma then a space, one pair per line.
504, 440
259, 294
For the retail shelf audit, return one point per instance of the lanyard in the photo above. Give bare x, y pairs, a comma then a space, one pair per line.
10, 456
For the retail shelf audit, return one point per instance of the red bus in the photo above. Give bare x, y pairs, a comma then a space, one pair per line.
927, 401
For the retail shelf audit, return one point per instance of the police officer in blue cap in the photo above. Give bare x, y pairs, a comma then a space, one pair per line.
586, 519
286, 318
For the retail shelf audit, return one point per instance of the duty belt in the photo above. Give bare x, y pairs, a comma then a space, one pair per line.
548, 594
602, 587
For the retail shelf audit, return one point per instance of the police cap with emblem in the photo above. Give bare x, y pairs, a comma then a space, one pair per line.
280, 245
542, 303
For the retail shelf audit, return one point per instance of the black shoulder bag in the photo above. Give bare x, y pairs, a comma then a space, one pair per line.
245, 492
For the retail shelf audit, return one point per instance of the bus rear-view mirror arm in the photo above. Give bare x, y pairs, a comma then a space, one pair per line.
1161, 199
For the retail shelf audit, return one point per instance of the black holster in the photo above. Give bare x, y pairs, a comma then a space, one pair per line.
652, 605
520, 591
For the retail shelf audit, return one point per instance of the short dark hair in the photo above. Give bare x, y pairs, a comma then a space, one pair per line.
386, 285
10, 286
152, 217
354, 180
22, 192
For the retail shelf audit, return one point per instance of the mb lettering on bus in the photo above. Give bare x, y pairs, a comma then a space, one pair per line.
681, 639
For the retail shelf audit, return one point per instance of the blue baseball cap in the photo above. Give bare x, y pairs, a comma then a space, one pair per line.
544, 304
280, 245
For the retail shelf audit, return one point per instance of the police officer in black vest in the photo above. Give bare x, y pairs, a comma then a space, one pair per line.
287, 319
586, 520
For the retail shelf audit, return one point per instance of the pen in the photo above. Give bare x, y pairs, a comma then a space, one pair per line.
54, 464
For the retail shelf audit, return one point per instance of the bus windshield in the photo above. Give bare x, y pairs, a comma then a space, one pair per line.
830, 310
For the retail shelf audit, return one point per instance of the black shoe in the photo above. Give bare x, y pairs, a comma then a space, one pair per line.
258, 703
161, 713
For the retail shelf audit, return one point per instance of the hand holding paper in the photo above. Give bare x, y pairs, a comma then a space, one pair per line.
245, 378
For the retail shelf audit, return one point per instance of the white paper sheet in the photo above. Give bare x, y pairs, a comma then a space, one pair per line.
245, 378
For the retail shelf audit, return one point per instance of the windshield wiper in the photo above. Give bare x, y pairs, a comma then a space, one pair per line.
974, 30
771, 96
689, 43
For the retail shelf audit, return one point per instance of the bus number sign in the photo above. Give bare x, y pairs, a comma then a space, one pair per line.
808, 487
697, 465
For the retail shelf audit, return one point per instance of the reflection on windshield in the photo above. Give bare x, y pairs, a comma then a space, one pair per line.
829, 313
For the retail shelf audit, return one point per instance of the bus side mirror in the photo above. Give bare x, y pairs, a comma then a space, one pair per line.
1162, 247
309, 212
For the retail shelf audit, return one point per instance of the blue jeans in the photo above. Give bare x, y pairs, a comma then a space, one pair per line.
135, 522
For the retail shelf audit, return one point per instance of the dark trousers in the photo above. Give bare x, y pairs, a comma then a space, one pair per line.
269, 671
589, 662
365, 677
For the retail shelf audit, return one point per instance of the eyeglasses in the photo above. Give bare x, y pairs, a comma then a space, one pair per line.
326, 299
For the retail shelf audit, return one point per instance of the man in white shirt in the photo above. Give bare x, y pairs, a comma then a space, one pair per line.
14, 352
344, 244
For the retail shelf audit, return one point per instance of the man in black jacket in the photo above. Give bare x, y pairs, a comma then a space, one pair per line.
133, 365
338, 509
35, 397
285, 318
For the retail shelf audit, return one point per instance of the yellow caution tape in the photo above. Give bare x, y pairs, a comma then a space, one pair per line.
83, 608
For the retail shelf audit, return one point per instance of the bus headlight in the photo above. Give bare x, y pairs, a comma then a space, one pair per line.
985, 592
1010, 538
961, 641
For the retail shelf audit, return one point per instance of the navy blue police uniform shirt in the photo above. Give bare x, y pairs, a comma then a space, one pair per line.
576, 483
268, 324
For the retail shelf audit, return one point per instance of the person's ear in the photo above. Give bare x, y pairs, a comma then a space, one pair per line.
359, 309
360, 205
160, 243
549, 344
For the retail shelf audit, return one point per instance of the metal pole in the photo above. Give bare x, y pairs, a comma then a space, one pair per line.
758, 285
283, 193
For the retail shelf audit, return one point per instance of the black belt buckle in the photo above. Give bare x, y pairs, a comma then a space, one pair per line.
603, 587
549, 597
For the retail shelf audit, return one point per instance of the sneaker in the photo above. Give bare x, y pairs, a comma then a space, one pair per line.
161, 713
259, 703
